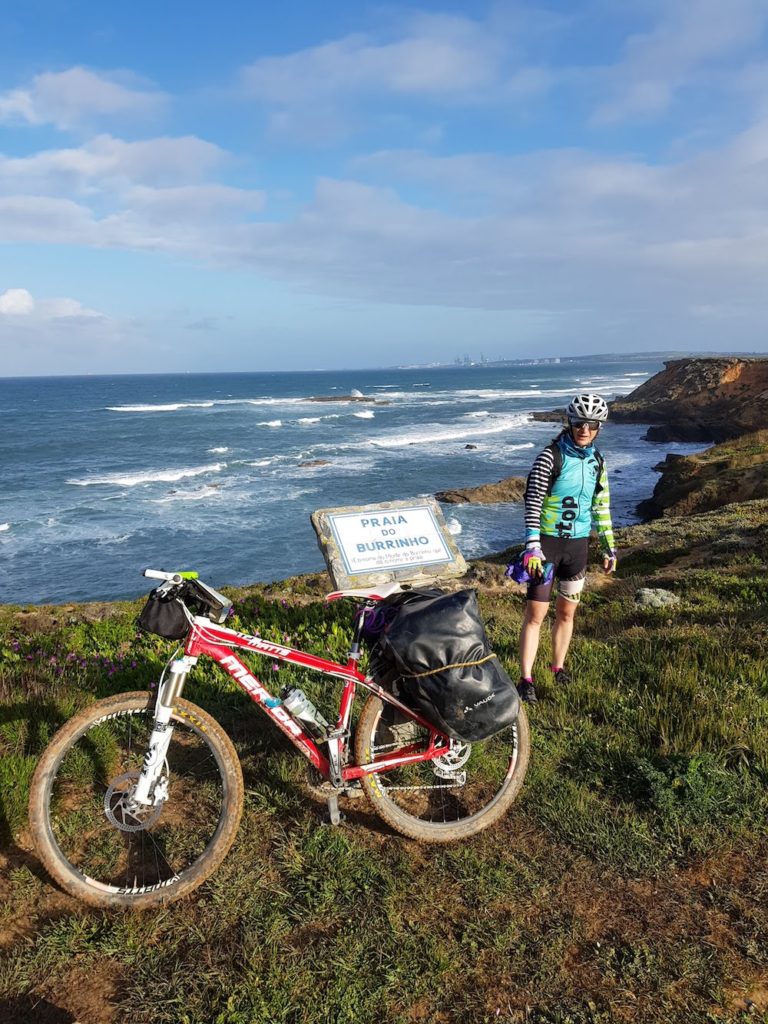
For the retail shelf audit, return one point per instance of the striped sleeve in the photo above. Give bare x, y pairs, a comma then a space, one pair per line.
536, 488
601, 512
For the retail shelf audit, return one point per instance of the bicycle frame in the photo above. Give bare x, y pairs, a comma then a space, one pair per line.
217, 642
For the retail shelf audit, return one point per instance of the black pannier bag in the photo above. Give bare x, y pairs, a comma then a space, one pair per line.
435, 654
164, 616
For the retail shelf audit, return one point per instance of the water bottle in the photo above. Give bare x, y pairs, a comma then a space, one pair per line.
301, 707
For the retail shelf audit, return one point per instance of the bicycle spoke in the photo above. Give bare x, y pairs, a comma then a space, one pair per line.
170, 842
454, 787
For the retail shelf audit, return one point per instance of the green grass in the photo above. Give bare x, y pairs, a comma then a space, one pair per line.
628, 883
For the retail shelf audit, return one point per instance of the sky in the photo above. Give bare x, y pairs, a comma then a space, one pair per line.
304, 185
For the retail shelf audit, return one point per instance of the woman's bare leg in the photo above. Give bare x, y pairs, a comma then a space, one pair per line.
535, 613
562, 629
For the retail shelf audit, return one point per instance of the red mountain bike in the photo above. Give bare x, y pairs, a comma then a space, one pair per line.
138, 798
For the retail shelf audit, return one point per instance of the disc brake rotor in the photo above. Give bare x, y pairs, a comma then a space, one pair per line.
120, 809
448, 766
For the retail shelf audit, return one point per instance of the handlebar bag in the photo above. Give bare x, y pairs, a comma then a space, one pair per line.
446, 668
164, 616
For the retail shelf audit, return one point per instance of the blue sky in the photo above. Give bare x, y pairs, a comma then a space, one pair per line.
252, 186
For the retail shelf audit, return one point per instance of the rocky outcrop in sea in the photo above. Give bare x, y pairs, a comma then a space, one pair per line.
511, 488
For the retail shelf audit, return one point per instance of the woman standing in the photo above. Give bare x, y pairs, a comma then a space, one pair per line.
566, 494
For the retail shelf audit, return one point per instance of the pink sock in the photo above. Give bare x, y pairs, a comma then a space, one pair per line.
556, 668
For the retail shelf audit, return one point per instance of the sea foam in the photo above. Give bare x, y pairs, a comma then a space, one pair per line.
436, 432
147, 476
174, 407
197, 494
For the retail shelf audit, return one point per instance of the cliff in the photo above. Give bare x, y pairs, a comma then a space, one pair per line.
700, 400
731, 472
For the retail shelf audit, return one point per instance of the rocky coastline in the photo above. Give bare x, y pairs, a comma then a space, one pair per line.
734, 471
714, 399
723, 400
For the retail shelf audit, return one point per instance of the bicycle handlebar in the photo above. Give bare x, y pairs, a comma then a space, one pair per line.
218, 605
172, 577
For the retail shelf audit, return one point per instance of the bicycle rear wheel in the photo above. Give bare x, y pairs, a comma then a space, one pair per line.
448, 798
91, 842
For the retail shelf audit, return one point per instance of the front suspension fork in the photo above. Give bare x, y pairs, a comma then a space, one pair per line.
147, 791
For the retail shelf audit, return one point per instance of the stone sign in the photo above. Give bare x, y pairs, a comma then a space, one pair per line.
366, 545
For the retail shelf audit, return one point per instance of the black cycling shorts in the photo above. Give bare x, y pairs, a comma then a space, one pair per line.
569, 557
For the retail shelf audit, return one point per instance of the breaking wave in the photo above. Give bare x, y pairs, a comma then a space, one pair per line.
147, 476
435, 433
171, 407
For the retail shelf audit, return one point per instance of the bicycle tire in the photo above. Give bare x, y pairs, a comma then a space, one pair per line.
70, 820
434, 812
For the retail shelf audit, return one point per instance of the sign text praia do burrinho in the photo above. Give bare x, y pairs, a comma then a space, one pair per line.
401, 540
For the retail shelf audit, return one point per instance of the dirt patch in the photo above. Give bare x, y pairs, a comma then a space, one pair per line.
89, 993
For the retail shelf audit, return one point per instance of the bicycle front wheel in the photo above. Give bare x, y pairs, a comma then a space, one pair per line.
448, 798
91, 841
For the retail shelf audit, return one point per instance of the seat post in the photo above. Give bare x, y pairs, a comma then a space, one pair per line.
357, 636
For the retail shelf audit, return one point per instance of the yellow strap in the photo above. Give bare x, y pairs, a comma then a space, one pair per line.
444, 668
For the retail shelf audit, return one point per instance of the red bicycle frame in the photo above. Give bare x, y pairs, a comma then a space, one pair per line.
217, 642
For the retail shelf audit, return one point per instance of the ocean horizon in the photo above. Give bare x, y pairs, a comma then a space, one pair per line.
219, 472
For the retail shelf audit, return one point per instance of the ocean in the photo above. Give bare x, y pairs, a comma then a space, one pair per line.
104, 476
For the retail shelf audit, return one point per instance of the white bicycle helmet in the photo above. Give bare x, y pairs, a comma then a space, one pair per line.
587, 407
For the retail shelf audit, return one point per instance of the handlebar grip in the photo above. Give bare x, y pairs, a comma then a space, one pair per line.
158, 574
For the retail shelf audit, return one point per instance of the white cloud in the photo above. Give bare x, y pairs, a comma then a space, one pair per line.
689, 37
192, 203
105, 159
125, 194
19, 303
317, 93
553, 230
70, 98
30, 218
442, 56
16, 302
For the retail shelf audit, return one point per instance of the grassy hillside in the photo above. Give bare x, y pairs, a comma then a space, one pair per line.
629, 882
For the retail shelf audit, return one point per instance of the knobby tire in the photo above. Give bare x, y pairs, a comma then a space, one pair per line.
414, 801
69, 823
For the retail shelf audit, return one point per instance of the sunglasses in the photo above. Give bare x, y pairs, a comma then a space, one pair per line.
592, 424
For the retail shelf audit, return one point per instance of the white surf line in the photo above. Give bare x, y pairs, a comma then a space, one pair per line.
147, 476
